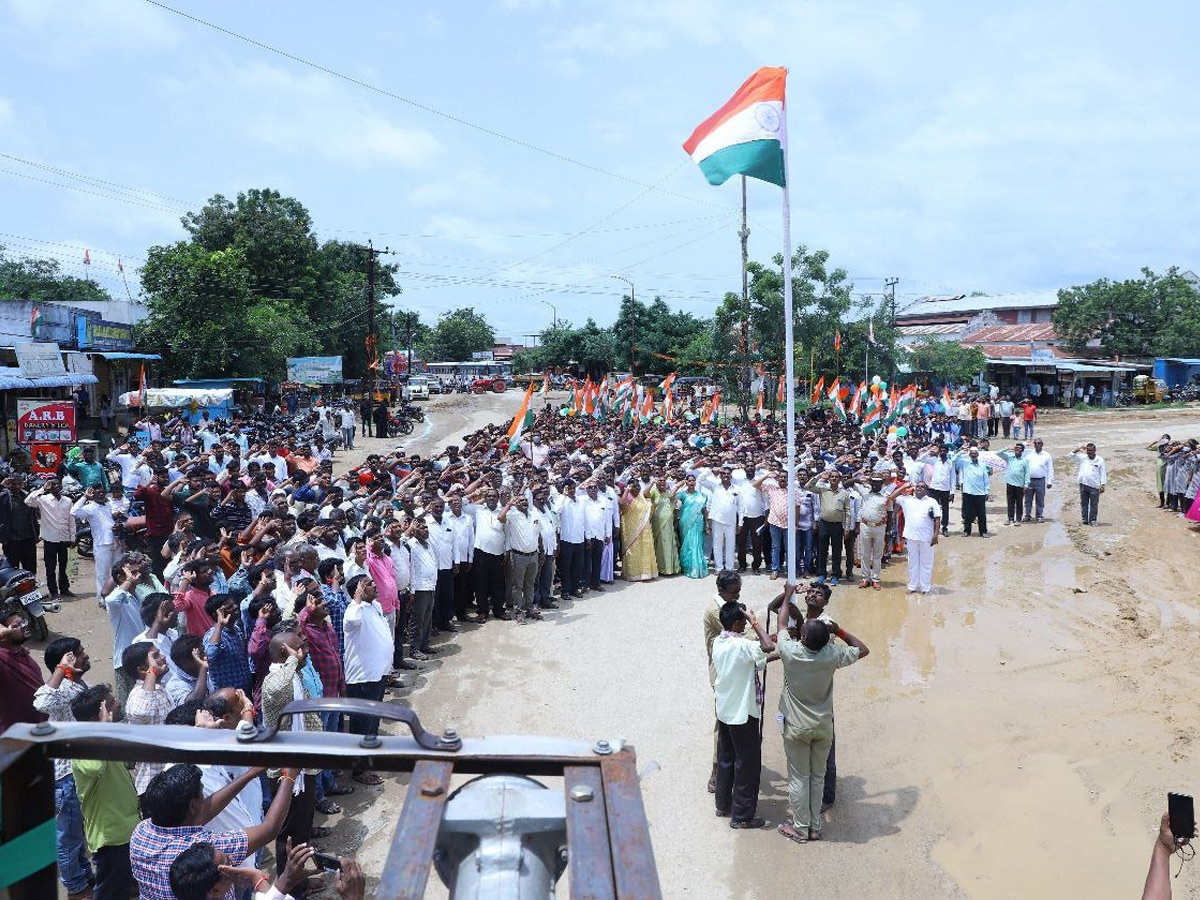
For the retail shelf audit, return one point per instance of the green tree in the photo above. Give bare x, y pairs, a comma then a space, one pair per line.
947, 361
42, 281
252, 285
457, 335
1149, 316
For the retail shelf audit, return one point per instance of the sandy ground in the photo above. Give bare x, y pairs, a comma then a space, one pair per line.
1014, 734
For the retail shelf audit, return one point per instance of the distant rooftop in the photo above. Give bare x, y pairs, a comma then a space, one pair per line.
962, 304
1038, 331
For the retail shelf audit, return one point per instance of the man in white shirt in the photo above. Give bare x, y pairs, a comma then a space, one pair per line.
752, 510
58, 532
368, 653
442, 535
424, 583
347, 424
464, 554
273, 464
1093, 476
722, 520
922, 517
549, 523
134, 471
523, 542
736, 663
1041, 478
94, 506
597, 532
489, 556
572, 537
941, 475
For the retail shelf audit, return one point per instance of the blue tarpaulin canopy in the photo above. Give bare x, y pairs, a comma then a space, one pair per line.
13, 379
122, 354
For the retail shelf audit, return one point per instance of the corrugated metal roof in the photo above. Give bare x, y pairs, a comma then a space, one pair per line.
932, 306
1021, 351
1181, 360
1039, 331
13, 379
944, 328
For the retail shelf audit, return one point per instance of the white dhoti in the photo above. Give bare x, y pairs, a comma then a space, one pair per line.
724, 538
920, 565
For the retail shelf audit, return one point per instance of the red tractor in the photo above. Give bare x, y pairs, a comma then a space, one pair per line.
489, 383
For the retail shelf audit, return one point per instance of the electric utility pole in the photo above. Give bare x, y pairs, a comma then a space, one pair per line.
890, 287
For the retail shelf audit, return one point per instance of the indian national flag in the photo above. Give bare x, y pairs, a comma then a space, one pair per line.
856, 400
746, 136
872, 417
545, 385
522, 420
35, 321
142, 388
779, 393
835, 397
817, 388
946, 401
759, 405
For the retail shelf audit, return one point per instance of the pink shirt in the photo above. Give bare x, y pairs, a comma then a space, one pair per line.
384, 577
191, 603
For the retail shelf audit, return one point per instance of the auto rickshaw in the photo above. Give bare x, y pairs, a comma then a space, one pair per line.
1147, 389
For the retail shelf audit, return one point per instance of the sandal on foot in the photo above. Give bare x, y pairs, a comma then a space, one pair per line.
722, 814
339, 790
320, 831
789, 831
367, 778
328, 808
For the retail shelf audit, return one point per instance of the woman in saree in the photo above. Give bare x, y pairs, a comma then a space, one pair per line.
638, 561
662, 523
691, 503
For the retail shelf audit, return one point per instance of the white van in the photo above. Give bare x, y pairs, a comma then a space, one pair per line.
418, 388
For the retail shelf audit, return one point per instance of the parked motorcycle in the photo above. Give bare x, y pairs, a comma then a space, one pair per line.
19, 590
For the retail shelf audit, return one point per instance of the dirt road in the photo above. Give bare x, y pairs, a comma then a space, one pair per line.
1013, 734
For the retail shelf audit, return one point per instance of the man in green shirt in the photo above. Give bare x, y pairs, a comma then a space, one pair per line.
88, 472
806, 706
109, 802
1016, 480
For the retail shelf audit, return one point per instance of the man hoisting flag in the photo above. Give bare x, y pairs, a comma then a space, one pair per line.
748, 136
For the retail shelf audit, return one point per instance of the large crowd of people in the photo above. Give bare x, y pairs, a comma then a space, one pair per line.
240, 568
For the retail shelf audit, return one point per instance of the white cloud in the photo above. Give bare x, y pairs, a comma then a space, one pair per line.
7, 115
308, 113
68, 32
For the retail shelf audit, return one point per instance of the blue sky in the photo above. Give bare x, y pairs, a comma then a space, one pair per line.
1019, 146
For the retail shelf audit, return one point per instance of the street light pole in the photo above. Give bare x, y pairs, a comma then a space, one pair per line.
632, 326
553, 314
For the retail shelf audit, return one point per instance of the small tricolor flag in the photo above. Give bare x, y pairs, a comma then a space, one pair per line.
817, 388
522, 420
856, 400
142, 389
871, 330
946, 401
837, 341
87, 257
759, 405
746, 136
35, 320
779, 393
120, 268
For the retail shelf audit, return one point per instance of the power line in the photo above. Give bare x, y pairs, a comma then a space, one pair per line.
424, 107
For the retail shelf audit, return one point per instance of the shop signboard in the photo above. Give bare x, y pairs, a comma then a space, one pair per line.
41, 421
315, 369
40, 360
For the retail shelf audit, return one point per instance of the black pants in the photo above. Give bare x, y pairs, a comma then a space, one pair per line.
297, 825
22, 553
443, 599
114, 877
594, 555
750, 533
489, 582
994, 426
974, 506
739, 764
366, 424
829, 794
942, 497
1089, 503
464, 591
1014, 494
570, 567
403, 615
54, 555
364, 690
848, 541
829, 535
154, 545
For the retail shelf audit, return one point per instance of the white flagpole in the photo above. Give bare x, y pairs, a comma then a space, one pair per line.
788, 345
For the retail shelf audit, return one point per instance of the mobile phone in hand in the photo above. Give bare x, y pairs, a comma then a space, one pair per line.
1182, 816
327, 862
